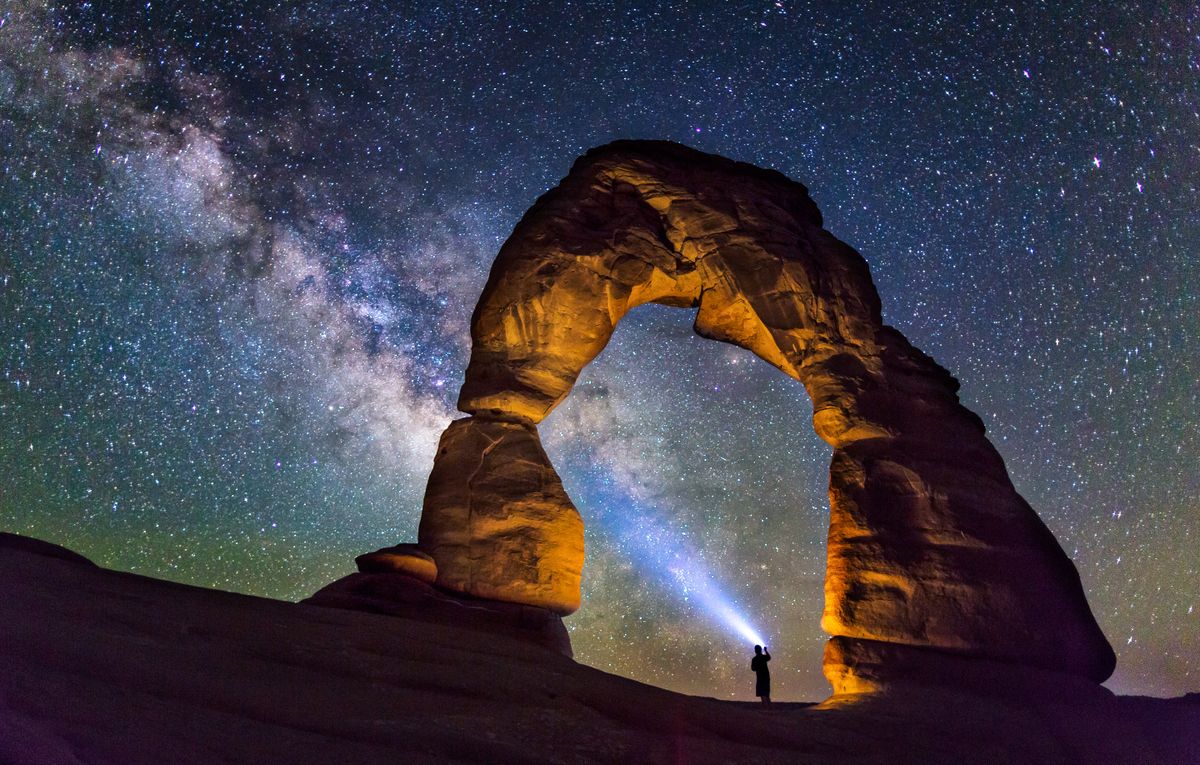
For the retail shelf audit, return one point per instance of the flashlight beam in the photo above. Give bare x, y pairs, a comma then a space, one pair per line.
667, 553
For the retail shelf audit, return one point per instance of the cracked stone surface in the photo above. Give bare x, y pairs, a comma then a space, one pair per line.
930, 546
497, 519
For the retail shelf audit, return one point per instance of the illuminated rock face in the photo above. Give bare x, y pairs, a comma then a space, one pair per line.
929, 544
497, 519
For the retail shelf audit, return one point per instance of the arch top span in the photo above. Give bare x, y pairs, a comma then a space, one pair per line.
930, 547
647, 221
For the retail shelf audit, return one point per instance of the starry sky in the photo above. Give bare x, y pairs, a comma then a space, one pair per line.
240, 244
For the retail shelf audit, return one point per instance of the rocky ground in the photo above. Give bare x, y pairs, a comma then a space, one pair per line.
113, 668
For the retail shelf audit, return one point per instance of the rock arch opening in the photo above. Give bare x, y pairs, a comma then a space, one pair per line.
696, 546
931, 552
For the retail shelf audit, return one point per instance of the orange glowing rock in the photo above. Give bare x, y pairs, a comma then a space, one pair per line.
498, 520
400, 559
930, 546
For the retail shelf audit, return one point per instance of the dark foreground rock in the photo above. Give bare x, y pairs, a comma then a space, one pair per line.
101, 667
396, 594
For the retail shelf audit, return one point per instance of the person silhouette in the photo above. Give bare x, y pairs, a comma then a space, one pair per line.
762, 683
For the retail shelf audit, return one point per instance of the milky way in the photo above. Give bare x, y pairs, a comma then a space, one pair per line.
240, 251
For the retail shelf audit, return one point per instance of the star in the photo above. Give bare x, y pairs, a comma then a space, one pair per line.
242, 247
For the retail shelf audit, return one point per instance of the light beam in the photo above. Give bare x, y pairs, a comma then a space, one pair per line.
667, 553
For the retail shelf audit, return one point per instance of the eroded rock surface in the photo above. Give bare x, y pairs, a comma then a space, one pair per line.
497, 519
930, 546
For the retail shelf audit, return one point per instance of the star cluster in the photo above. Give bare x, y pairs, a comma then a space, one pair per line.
240, 244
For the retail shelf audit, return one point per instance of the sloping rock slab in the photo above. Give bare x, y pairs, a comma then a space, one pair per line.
39, 547
401, 595
106, 668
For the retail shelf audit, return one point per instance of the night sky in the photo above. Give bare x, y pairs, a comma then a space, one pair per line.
239, 250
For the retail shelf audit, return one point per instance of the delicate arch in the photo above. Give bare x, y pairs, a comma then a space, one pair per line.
930, 545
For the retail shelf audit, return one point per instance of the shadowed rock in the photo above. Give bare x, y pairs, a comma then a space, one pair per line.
929, 547
38, 547
102, 667
395, 594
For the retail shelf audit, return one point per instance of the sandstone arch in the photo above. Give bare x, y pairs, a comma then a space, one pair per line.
930, 547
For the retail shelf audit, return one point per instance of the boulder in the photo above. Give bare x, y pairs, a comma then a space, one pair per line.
400, 559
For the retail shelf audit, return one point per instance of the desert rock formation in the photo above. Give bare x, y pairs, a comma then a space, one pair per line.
930, 546
498, 520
